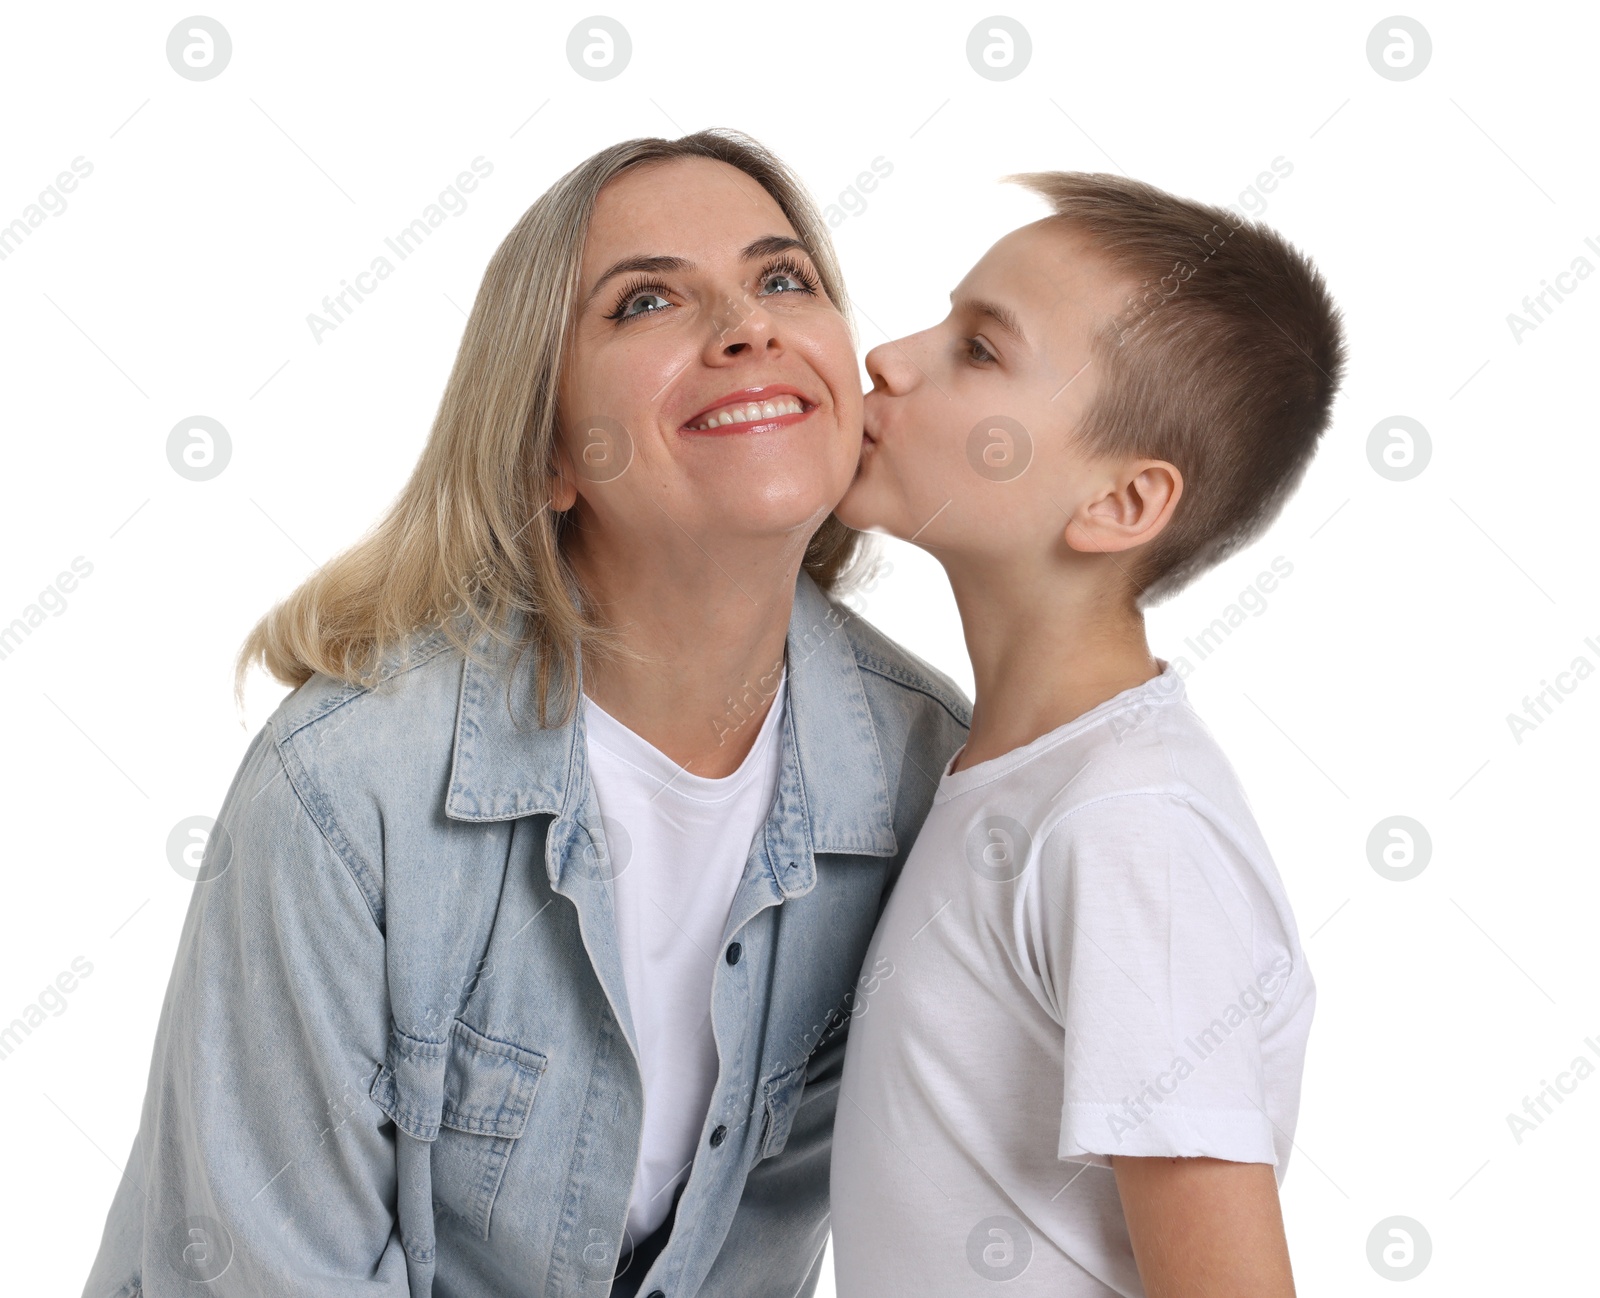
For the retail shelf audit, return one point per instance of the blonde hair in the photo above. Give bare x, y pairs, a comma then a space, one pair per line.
470, 540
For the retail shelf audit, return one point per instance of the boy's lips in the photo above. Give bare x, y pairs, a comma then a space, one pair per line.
866, 418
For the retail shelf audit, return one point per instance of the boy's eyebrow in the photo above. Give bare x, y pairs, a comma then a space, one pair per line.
1001, 315
765, 246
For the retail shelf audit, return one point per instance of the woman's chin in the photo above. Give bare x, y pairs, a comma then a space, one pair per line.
754, 519
855, 509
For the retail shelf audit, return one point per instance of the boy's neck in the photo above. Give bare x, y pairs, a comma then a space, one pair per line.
1043, 652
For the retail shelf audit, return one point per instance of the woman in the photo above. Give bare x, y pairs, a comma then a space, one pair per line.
523, 948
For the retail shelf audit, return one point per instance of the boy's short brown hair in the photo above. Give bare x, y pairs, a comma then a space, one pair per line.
1224, 363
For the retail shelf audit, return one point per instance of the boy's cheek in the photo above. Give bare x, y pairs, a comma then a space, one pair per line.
999, 449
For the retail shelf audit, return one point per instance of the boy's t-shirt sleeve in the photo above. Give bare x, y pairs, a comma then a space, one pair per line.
1159, 953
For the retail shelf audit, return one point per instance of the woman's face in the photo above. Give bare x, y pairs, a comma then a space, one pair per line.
711, 393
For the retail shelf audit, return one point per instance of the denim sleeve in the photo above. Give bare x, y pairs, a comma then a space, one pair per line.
774, 1246
260, 1166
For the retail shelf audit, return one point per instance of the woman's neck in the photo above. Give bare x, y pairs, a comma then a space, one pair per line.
711, 633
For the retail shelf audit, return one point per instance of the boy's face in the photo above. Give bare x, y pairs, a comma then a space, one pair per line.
969, 425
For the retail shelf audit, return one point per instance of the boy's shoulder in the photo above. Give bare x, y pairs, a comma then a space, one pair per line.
1139, 813
1145, 749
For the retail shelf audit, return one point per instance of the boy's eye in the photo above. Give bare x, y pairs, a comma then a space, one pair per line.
976, 351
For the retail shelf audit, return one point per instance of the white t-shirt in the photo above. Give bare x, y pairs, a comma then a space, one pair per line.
687, 840
1089, 952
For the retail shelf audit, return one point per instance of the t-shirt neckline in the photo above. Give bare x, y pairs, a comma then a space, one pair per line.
1164, 687
628, 746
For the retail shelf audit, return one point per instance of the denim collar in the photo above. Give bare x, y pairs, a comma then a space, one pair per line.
500, 772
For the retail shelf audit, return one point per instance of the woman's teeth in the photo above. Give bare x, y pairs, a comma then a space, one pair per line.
749, 412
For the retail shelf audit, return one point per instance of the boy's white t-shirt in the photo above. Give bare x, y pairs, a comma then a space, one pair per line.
1089, 952
688, 840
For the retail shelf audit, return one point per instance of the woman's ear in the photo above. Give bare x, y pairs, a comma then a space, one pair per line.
563, 482
1132, 511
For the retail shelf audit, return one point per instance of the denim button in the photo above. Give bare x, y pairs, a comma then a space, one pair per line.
718, 1134
656, 1293
734, 952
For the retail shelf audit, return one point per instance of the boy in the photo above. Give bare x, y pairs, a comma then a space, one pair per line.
1079, 1067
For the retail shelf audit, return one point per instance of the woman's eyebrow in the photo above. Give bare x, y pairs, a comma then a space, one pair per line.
765, 246
768, 244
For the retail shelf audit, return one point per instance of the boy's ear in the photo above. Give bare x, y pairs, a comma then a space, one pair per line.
1131, 511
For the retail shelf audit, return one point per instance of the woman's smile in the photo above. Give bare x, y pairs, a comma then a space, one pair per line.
752, 410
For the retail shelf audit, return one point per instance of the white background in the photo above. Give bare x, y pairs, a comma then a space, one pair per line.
1376, 682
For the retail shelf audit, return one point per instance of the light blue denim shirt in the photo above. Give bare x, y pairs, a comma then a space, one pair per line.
395, 1054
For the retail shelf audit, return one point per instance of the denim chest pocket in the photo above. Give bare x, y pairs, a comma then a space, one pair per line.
468, 1095
780, 1097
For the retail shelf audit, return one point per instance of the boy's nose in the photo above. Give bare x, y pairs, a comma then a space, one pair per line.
889, 369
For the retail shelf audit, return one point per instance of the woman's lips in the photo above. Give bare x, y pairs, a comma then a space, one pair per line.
751, 416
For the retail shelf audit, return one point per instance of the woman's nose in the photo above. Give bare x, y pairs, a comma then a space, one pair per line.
740, 322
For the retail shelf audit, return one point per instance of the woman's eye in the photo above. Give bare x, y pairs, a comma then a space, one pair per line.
794, 280
978, 352
628, 310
